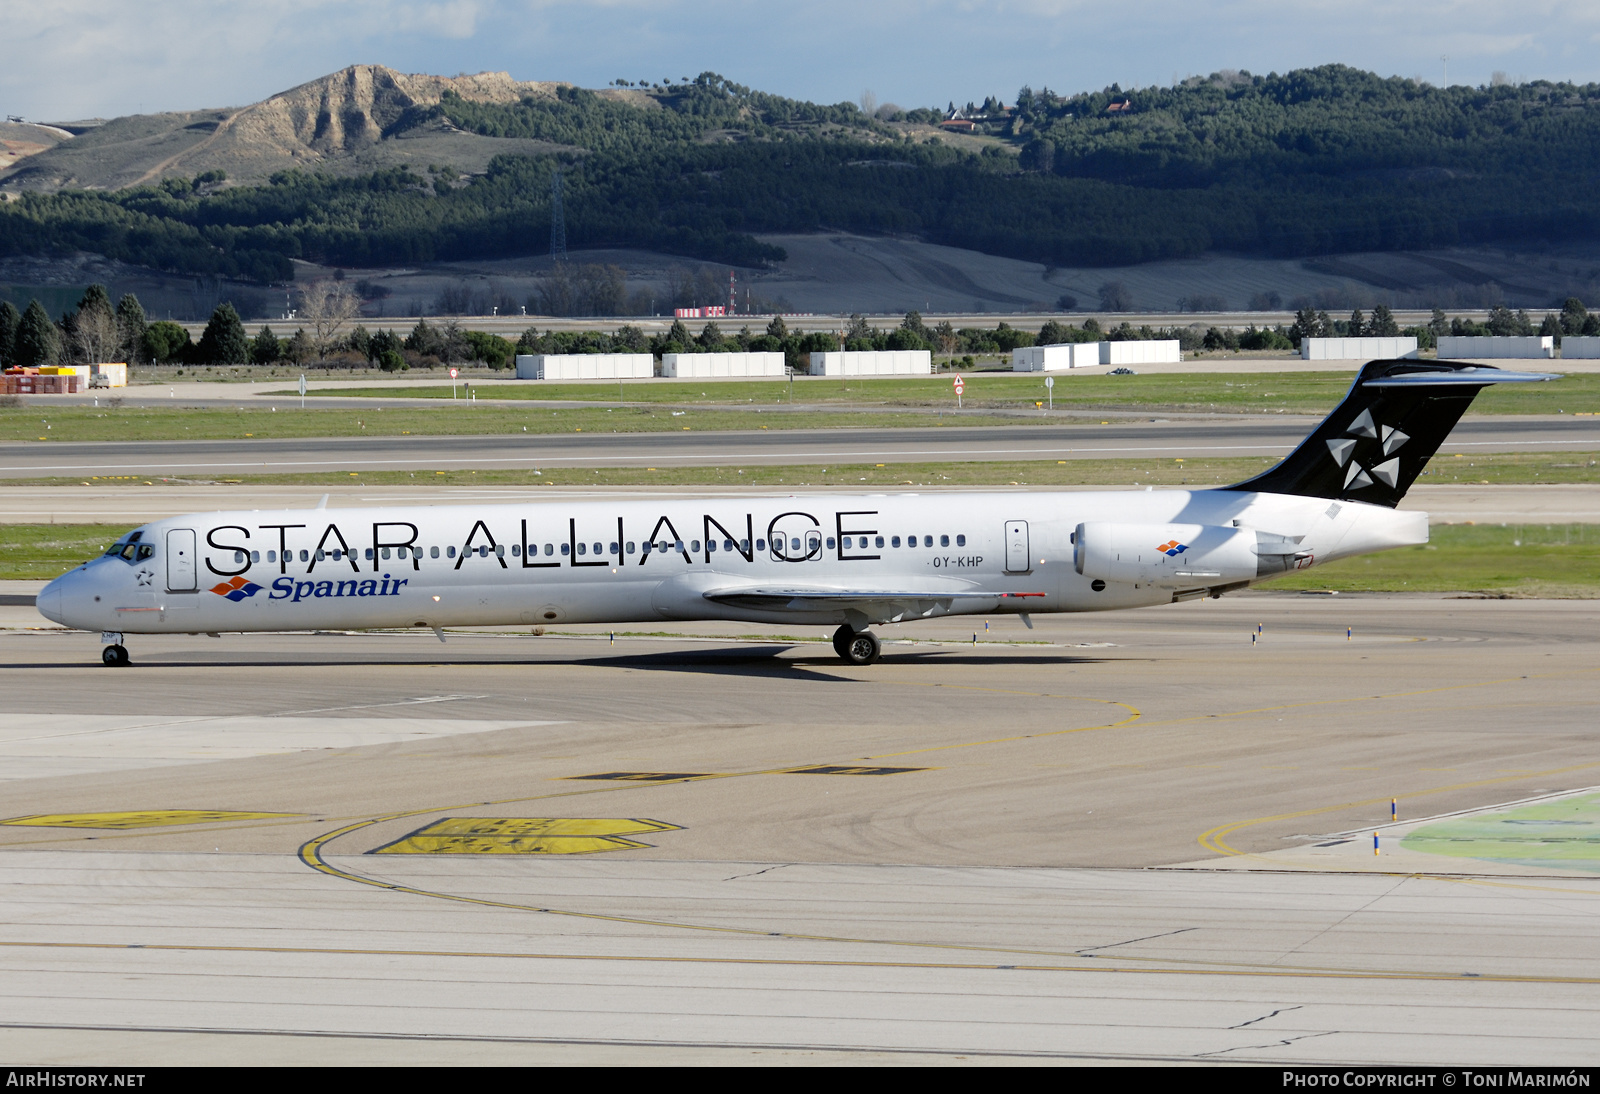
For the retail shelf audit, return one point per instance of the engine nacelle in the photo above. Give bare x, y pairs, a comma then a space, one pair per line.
1180, 554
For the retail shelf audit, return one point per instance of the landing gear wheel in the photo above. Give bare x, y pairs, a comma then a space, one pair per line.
115, 656
862, 649
841, 641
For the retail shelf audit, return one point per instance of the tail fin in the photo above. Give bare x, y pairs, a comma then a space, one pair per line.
1375, 443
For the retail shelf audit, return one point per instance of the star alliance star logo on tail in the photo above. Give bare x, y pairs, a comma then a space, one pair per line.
1172, 548
236, 589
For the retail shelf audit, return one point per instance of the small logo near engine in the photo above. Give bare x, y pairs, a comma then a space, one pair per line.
1173, 547
236, 589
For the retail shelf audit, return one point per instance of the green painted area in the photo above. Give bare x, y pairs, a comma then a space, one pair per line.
1562, 834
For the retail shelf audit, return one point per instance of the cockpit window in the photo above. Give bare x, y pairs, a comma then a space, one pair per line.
145, 551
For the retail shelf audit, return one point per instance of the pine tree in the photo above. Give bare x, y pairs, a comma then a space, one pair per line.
1383, 324
38, 341
131, 325
266, 348
10, 320
224, 341
1573, 316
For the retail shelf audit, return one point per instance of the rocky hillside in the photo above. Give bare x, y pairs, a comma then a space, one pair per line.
337, 123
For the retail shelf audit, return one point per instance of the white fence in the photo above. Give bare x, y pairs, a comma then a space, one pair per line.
1055, 358
1456, 348
585, 366
713, 366
1357, 349
888, 362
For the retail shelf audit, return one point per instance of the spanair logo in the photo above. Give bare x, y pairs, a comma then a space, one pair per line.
1172, 548
236, 589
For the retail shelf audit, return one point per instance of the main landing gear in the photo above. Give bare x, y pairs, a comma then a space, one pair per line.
856, 647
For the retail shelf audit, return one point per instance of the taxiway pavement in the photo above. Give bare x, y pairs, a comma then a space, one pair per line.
1120, 439
991, 850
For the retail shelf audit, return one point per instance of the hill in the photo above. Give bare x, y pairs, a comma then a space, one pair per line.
335, 124
369, 168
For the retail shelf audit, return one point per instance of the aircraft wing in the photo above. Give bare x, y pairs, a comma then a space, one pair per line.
801, 598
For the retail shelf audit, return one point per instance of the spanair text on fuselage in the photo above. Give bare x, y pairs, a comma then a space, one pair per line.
557, 562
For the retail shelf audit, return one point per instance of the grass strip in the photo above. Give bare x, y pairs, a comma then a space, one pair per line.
1518, 560
1505, 469
75, 423
1256, 393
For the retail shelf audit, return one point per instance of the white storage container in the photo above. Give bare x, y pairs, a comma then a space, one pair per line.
1357, 349
1459, 348
888, 362
717, 366
1055, 358
1580, 347
585, 366
1139, 353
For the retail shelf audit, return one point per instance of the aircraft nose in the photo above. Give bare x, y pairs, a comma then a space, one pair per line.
49, 601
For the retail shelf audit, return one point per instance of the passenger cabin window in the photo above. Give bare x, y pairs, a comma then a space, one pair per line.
944, 541
961, 541
433, 552
500, 551
549, 548
450, 552
631, 546
878, 541
567, 548
761, 545
894, 541
255, 556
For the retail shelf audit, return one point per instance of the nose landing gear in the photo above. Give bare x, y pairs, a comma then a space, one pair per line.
856, 647
114, 654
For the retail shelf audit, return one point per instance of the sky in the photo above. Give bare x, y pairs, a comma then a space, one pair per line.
72, 59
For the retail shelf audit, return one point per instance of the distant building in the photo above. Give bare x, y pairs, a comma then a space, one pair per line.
1120, 106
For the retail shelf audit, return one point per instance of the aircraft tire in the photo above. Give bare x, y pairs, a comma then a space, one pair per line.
863, 648
115, 656
841, 641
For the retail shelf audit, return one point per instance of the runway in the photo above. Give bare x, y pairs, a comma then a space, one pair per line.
1120, 439
1094, 841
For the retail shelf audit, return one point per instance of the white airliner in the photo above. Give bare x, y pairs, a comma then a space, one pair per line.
845, 562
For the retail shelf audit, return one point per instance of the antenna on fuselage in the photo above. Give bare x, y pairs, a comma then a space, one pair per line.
323, 504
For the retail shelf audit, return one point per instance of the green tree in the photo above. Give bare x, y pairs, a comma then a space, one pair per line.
38, 341
224, 341
387, 341
131, 325
1357, 326
10, 320
710, 337
777, 328
1439, 324
360, 341
164, 341
265, 349
1383, 324
679, 334
1551, 327
1573, 316
425, 340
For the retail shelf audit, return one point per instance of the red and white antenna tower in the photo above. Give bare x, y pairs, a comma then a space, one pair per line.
733, 295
